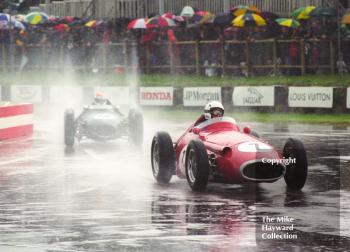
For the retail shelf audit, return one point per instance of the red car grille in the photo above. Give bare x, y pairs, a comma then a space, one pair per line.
262, 171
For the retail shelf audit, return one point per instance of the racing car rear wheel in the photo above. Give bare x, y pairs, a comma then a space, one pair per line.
296, 172
69, 131
197, 165
135, 119
163, 157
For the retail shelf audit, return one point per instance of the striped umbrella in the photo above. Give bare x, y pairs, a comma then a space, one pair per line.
244, 9
302, 12
160, 22
249, 19
35, 18
139, 23
288, 22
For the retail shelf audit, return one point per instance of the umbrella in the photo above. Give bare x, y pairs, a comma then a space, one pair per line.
4, 21
288, 22
69, 19
35, 18
139, 23
346, 19
159, 22
302, 12
203, 17
249, 19
322, 11
172, 16
223, 19
243, 9
7, 22
187, 11
18, 25
169, 15
61, 27
91, 24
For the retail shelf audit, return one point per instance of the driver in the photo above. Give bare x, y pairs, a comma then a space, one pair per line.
212, 109
100, 99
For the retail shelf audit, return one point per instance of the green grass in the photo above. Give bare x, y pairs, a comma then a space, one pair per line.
112, 79
179, 114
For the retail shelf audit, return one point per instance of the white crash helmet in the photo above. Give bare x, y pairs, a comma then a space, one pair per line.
213, 109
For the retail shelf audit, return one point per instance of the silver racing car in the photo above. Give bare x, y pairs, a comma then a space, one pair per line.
103, 123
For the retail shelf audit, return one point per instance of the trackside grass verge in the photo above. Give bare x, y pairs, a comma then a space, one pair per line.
112, 79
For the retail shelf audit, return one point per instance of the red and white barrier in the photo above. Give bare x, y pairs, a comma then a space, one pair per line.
16, 120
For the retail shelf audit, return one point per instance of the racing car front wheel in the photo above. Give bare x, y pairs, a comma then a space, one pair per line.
296, 173
69, 131
163, 157
197, 165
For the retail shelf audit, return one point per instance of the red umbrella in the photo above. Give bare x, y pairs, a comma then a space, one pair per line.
61, 27
69, 19
139, 23
160, 22
169, 15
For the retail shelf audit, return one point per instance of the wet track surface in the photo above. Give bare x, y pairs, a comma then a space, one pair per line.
102, 197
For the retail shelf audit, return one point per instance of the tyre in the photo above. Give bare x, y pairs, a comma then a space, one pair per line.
69, 130
135, 122
197, 165
162, 157
296, 172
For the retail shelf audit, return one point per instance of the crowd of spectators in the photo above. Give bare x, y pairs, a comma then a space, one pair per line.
91, 48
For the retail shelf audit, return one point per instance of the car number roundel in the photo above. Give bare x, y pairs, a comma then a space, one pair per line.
253, 147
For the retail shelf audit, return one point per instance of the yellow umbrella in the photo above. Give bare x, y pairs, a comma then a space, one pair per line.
302, 12
244, 9
207, 18
249, 19
91, 23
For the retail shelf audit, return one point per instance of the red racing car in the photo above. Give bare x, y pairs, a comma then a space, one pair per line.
216, 150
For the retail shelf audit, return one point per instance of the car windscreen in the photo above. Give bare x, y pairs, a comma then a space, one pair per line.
221, 122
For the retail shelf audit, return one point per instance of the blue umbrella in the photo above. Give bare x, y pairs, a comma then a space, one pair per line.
7, 22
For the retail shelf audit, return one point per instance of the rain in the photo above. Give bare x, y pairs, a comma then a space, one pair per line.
87, 177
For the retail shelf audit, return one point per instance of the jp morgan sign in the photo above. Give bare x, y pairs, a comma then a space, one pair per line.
199, 96
254, 96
